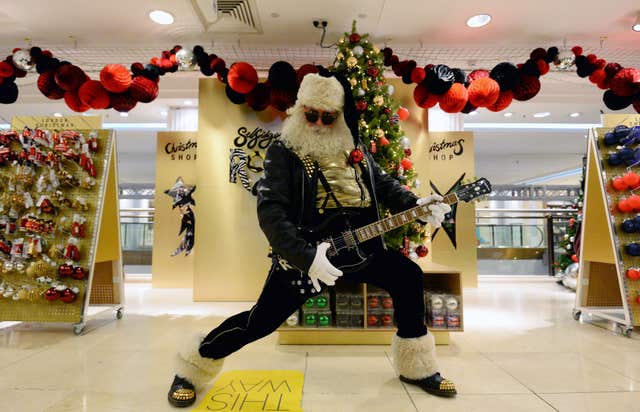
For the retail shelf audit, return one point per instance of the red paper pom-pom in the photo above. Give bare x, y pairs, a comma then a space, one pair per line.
626, 82
423, 97
483, 92
538, 54
543, 67
528, 87
592, 58
504, 100
70, 77
356, 156
242, 77
281, 100
604, 84
418, 74
597, 76
115, 78
403, 112
217, 64
600, 63
123, 102
619, 184
73, 101
48, 86
477, 74
258, 98
6, 70
577, 50
612, 69
304, 70
624, 206
406, 164
94, 95
144, 90
454, 100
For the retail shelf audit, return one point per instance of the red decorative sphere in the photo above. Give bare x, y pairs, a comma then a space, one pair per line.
418, 74
70, 77
574, 258
477, 74
455, 99
407, 152
354, 38
242, 77
598, 76
115, 78
572, 222
483, 92
528, 87
304, 70
619, 184
633, 274
634, 202
403, 112
73, 101
406, 164
68, 296
123, 102
631, 179
626, 82
144, 90
48, 86
361, 105
51, 294
373, 71
504, 100
422, 251
423, 97
94, 95
624, 206
356, 156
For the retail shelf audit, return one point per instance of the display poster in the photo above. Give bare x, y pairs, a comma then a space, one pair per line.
232, 252
442, 161
56, 184
613, 120
176, 210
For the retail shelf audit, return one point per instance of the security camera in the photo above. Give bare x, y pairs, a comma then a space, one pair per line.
319, 23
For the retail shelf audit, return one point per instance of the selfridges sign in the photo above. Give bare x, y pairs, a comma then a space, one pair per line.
181, 150
445, 149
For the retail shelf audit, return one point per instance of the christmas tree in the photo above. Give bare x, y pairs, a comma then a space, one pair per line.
568, 241
362, 64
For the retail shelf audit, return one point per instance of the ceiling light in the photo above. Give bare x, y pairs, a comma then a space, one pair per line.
188, 102
161, 17
574, 114
479, 20
124, 114
636, 25
56, 114
164, 113
362, 16
508, 114
473, 113
542, 114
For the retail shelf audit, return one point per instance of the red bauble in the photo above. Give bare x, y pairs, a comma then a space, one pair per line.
577, 50
407, 152
528, 87
361, 105
619, 184
477, 74
78, 273
356, 156
418, 74
383, 141
68, 296
631, 179
483, 92
598, 76
574, 258
354, 38
47, 85
94, 95
406, 164
373, 71
372, 320
633, 274
455, 99
626, 82
624, 206
115, 78
423, 97
403, 112
504, 100
123, 102
242, 77
572, 222
70, 77
422, 251
144, 90
73, 101
51, 294
634, 202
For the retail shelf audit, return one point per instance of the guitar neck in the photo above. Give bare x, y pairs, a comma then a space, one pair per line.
385, 225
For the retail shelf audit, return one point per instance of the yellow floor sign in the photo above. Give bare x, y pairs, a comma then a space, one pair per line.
249, 391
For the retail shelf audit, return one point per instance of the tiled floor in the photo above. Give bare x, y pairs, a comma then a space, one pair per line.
521, 351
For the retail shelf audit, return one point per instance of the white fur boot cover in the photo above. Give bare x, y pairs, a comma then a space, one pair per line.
196, 369
414, 358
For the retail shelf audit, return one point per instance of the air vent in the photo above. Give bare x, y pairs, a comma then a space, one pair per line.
229, 16
237, 9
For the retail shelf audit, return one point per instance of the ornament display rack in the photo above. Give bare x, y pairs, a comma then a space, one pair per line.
436, 278
100, 251
603, 289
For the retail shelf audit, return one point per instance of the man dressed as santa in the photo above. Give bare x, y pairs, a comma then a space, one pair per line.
308, 178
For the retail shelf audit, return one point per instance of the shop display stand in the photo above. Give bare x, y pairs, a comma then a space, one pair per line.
603, 289
436, 278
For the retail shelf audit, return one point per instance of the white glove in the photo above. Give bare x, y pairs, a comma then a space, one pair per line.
437, 208
322, 269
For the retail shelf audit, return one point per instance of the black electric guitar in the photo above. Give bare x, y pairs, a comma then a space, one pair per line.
346, 252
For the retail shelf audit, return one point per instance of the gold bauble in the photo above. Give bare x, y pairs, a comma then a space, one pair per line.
365, 85
40, 268
379, 133
353, 81
378, 100
341, 41
376, 50
363, 123
339, 56
351, 62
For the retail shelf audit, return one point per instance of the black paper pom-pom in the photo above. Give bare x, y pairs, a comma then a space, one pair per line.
459, 76
538, 54
282, 76
35, 52
530, 68
406, 78
234, 96
507, 76
439, 79
615, 102
552, 54
468, 108
151, 72
198, 50
8, 92
584, 68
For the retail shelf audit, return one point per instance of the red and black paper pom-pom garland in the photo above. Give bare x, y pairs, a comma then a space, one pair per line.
122, 88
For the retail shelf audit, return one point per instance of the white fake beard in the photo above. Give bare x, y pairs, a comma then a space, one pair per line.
314, 140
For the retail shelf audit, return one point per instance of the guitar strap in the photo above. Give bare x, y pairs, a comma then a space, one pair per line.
329, 192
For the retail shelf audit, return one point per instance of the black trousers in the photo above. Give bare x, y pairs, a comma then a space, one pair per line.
389, 270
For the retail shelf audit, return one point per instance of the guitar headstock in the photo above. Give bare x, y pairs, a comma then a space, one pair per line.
473, 190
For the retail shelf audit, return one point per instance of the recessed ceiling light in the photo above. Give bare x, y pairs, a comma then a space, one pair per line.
479, 20
161, 17
124, 114
508, 114
473, 113
636, 27
188, 102
56, 114
164, 113
574, 114
542, 114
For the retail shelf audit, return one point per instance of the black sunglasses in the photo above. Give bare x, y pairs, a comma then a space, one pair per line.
327, 118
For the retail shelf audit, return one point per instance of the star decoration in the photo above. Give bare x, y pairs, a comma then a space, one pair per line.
181, 193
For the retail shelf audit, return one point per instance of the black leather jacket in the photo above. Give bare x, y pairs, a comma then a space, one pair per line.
286, 201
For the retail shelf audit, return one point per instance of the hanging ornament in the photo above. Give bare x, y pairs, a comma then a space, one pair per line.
568, 247
375, 49
422, 251
390, 89
336, 64
574, 258
351, 62
373, 71
363, 123
185, 59
360, 92
566, 237
565, 61
378, 100
407, 152
356, 156
339, 56
571, 239
22, 60
365, 85
403, 112
357, 51
379, 133
353, 81
384, 141
341, 41
405, 142
354, 38
373, 148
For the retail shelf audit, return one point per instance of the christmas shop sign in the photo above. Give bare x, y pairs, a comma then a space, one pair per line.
446, 150
181, 150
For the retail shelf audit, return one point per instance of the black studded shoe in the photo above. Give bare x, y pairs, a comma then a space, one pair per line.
434, 384
182, 393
